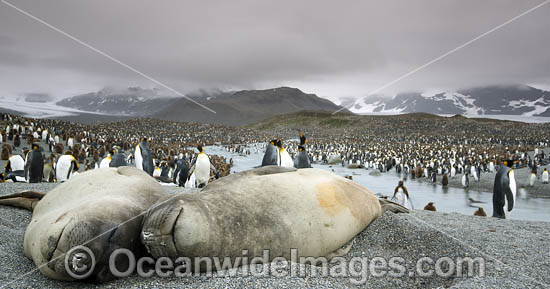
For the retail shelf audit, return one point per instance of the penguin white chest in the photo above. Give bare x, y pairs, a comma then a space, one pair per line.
64, 168
17, 163
202, 169
513, 188
286, 160
157, 172
138, 158
532, 179
105, 162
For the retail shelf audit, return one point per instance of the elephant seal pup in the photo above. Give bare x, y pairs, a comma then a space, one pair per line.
101, 209
276, 208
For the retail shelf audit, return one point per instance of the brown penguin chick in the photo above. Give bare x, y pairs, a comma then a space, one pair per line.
430, 207
480, 212
5, 153
101, 152
30, 139
59, 148
17, 141
445, 180
419, 172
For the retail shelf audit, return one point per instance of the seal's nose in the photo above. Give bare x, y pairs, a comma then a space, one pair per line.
158, 230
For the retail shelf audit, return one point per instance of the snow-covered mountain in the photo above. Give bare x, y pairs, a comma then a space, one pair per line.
491, 100
133, 101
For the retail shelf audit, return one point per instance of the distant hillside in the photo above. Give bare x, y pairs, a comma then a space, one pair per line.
232, 108
491, 100
246, 107
342, 122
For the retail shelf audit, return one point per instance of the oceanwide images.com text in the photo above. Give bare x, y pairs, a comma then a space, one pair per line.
80, 263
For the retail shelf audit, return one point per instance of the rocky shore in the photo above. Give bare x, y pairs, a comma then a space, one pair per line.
507, 254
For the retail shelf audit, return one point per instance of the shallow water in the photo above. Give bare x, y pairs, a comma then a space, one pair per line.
445, 199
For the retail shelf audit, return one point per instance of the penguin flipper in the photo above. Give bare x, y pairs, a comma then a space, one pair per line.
25, 200
509, 199
192, 170
388, 205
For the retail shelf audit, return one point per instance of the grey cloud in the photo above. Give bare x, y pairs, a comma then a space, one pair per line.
334, 48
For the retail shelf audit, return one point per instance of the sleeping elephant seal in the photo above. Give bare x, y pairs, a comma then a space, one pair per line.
276, 208
101, 209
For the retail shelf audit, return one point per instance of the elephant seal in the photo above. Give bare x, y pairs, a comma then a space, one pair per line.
276, 208
101, 209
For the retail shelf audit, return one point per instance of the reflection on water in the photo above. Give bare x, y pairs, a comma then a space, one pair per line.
445, 199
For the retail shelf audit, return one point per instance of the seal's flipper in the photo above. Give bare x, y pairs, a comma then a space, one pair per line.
269, 170
26, 200
261, 171
341, 251
392, 207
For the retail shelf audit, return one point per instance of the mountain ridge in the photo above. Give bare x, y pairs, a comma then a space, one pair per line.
231, 107
488, 100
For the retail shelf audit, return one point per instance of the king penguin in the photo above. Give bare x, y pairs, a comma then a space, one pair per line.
504, 191
284, 158
202, 167
182, 171
66, 167
15, 169
301, 160
465, 180
34, 167
271, 155
106, 161
545, 176
532, 179
144, 157
118, 159
15, 164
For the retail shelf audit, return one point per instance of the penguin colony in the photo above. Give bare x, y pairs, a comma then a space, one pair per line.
437, 149
36, 150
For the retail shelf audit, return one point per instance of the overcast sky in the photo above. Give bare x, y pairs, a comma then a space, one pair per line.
332, 48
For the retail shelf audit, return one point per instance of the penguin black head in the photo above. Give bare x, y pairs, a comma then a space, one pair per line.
273, 142
144, 139
509, 163
300, 148
2, 176
35, 146
200, 148
303, 139
279, 143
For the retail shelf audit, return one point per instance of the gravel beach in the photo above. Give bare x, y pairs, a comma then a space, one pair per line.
514, 254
